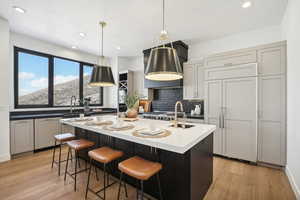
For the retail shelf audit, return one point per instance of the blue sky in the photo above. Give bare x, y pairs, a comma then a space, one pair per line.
33, 72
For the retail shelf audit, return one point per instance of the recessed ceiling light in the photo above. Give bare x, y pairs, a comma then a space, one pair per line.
118, 47
246, 4
74, 47
82, 34
20, 10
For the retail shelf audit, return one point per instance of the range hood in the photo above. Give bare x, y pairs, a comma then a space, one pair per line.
182, 51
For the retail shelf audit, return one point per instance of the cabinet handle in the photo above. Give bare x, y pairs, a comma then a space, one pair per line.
220, 121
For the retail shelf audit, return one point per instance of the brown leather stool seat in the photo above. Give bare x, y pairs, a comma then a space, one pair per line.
105, 154
78, 145
61, 138
139, 168
64, 137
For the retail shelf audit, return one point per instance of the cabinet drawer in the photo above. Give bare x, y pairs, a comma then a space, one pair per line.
238, 71
231, 59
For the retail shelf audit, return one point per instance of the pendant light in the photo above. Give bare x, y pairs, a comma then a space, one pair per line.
102, 75
163, 63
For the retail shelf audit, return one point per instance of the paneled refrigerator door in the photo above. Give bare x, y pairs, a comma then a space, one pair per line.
213, 103
239, 121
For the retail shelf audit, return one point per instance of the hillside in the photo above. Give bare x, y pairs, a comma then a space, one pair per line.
62, 93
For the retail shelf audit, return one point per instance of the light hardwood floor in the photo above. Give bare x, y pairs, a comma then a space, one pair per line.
31, 178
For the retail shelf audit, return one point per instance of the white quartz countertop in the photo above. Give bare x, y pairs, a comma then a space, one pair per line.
180, 140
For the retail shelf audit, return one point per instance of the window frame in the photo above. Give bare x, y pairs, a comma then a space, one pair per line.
50, 58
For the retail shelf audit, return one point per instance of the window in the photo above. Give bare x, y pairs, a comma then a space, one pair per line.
94, 93
43, 80
32, 83
66, 81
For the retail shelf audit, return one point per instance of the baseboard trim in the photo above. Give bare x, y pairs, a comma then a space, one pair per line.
292, 183
4, 158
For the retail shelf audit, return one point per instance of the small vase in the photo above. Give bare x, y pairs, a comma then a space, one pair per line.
131, 113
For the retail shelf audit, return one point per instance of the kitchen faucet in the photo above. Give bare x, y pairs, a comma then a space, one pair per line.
73, 103
176, 118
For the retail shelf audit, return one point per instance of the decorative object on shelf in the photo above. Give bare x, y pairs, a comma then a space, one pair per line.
163, 63
198, 109
132, 103
102, 75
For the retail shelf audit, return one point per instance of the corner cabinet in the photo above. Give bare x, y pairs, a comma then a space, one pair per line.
45, 129
21, 136
193, 81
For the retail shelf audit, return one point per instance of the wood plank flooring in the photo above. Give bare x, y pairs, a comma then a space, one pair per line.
31, 178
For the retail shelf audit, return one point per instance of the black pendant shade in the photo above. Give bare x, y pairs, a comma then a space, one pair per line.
163, 65
102, 76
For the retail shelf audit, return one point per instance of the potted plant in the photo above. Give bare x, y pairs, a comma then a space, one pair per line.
132, 103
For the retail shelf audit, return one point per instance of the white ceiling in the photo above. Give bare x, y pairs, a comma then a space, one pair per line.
135, 24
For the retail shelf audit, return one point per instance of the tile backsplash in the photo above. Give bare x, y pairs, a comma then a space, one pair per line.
165, 99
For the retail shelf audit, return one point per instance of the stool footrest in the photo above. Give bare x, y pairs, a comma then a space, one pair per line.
80, 171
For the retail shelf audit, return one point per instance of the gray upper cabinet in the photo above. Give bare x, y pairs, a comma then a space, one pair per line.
272, 120
193, 81
45, 129
231, 59
21, 132
272, 61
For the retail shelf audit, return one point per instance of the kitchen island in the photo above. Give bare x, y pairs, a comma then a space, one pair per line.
186, 155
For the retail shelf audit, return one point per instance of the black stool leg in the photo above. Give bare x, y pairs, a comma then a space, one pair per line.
76, 160
67, 164
159, 187
96, 171
59, 159
71, 156
137, 189
120, 184
142, 189
53, 154
88, 181
104, 177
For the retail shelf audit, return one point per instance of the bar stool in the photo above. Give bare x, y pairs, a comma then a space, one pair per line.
141, 170
104, 155
77, 146
61, 138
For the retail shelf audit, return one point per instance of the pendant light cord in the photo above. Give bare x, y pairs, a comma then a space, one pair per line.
102, 41
163, 28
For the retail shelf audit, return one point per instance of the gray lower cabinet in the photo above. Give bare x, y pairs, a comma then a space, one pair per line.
272, 120
21, 136
45, 129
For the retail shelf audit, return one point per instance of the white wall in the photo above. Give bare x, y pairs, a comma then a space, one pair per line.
135, 64
291, 31
4, 100
235, 41
27, 42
